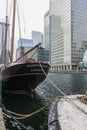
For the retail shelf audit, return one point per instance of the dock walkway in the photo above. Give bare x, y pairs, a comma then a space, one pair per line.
2, 125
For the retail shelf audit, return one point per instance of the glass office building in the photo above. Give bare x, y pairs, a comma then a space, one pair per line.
25, 42
23, 46
37, 38
68, 32
46, 31
46, 34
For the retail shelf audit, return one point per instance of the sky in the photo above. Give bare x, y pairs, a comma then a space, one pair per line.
33, 12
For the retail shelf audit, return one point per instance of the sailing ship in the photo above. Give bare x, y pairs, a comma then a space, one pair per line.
21, 77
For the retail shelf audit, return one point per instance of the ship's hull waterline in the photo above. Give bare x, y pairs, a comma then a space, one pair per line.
22, 78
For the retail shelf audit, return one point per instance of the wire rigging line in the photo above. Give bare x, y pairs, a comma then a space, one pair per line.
19, 21
23, 18
10, 11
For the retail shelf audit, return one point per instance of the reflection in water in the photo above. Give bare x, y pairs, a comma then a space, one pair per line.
25, 105
68, 83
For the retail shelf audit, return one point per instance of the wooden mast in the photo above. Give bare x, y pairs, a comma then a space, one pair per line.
13, 27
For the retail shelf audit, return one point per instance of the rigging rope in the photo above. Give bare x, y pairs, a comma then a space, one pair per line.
19, 22
24, 23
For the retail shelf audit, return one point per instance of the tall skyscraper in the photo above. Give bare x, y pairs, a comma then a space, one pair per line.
68, 32
46, 31
46, 34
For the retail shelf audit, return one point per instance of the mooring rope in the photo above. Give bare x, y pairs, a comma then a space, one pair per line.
52, 81
23, 116
9, 115
59, 90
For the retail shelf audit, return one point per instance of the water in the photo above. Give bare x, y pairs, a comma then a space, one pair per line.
68, 83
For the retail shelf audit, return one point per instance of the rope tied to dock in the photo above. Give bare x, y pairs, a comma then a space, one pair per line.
24, 116
52, 81
59, 90
9, 115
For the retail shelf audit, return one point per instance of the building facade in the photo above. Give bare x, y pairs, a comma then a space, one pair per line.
37, 37
23, 46
46, 34
68, 32
25, 42
2, 42
42, 55
46, 31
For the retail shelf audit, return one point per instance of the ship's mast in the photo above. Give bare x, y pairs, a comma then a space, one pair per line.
13, 27
6, 29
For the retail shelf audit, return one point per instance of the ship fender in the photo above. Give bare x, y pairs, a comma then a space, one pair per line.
53, 123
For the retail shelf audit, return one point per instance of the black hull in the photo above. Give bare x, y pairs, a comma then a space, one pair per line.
23, 76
